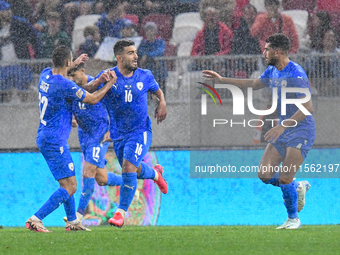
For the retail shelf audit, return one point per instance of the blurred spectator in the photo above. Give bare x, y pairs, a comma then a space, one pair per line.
215, 38
142, 8
92, 41
112, 20
22, 8
243, 42
18, 40
150, 48
273, 22
320, 26
227, 12
54, 37
42, 9
128, 29
328, 5
324, 70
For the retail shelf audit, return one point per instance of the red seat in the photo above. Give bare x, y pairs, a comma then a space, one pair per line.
164, 24
134, 18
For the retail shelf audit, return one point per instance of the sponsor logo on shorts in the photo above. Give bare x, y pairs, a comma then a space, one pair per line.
79, 93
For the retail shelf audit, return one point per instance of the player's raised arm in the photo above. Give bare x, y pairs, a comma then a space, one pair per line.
160, 112
103, 78
241, 83
93, 98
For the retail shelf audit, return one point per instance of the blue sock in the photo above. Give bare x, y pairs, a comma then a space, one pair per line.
86, 193
290, 199
146, 172
70, 209
274, 180
127, 190
114, 180
56, 199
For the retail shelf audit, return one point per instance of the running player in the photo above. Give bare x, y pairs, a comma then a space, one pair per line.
130, 125
94, 141
56, 94
290, 141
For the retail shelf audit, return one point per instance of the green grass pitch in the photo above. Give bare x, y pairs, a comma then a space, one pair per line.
174, 240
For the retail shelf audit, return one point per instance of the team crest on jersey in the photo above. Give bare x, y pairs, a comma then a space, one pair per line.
140, 85
284, 84
128, 86
71, 166
79, 93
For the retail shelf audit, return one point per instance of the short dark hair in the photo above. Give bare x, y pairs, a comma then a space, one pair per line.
271, 2
120, 45
75, 69
279, 41
111, 4
60, 55
90, 30
250, 6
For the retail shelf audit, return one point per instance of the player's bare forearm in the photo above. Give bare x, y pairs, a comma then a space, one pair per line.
96, 96
241, 83
160, 95
93, 85
160, 112
299, 115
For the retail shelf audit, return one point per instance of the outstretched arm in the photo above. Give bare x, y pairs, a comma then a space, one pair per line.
241, 83
160, 112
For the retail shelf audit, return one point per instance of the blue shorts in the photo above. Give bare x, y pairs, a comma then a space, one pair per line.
302, 139
94, 153
133, 148
59, 161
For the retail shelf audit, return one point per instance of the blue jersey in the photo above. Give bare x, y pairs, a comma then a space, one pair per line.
56, 95
92, 119
126, 103
292, 75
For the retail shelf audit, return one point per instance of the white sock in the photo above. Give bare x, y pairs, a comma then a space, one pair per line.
79, 216
156, 175
35, 218
76, 221
122, 212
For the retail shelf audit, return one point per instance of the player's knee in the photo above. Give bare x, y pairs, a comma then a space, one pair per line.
263, 178
101, 181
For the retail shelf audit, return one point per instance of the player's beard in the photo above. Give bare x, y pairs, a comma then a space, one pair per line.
272, 61
130, 67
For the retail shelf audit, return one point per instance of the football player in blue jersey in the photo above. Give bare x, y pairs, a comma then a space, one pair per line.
130, 125
293, 137
56, 95
94, 139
